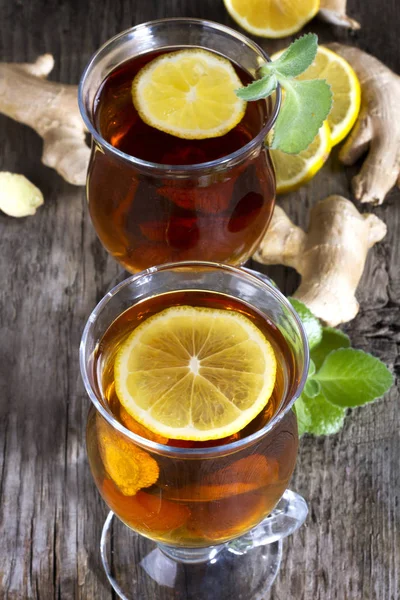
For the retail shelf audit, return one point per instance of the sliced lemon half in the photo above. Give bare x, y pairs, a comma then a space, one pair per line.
272, 18
189, 94
294, 170
195, 373
345, 87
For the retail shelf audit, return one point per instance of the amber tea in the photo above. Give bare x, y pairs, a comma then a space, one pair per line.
145, 218
190, 502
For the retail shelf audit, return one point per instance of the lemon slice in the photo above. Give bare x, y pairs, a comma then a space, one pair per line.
345, 87
189, 94
195, 373
272, 18
294, 170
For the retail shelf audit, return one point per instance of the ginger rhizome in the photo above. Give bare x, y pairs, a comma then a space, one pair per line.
334, 11
330, 257
18, 196
377, 129
51, 109
130, 467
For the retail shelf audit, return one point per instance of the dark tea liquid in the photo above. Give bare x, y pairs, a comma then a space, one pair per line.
193, 502
147, 218
120, 124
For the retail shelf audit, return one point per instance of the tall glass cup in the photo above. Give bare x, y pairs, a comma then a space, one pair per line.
204, 201
211, 524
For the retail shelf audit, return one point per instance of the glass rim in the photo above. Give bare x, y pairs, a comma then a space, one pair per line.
190, 452
179, 169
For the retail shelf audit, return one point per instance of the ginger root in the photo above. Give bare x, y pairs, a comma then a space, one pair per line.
18, 196
330, 257
334, 11
51, 109
377, 128
130, 467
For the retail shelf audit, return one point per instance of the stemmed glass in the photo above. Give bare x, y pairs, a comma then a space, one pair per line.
188, 205
212, 524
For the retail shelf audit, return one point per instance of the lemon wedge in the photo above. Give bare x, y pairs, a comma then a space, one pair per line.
272, 18
195, 373
345, 87
189, 94
294, 170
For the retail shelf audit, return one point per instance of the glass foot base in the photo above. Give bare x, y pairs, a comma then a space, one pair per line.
138, 569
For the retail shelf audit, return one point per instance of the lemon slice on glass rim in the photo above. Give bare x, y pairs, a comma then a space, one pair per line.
195, 373
189, 94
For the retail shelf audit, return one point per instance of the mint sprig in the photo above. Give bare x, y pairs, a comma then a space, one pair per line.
306, 104
311, 324
339, 378
350, 377
318, 416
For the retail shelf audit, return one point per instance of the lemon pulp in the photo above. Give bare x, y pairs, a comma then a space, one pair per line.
195, 373
189, 94
272, 18
294, 170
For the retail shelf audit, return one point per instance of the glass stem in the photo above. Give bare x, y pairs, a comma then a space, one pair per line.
191, 555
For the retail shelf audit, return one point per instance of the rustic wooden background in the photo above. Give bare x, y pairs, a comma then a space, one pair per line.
54, 270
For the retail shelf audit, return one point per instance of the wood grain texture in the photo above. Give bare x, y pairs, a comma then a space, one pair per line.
53, 272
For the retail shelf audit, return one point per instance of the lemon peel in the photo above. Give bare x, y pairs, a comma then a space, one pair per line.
294, 170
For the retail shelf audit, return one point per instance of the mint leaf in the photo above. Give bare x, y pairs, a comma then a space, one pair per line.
261, 88
303, 416
332, 339
306, 106
318, 416
351, 377
311, 369
311, 324
296, 59
312, 388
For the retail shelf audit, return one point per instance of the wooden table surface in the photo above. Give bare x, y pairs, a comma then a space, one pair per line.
53, 272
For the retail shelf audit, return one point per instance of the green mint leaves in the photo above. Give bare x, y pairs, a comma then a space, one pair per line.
311, 324
350, 378
297, 58
306, 104
339, 378
305, 107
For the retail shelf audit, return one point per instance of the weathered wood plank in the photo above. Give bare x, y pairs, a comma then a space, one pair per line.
54, 270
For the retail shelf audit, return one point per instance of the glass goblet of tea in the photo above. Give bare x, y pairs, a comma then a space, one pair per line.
156, 198
199, 520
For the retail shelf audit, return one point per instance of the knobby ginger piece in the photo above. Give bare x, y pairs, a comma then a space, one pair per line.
377, 130
330, 257
144, 511
334, 11
18, 196
130, 467
51, 109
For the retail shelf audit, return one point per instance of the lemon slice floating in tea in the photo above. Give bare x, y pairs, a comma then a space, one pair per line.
189, 94
195, 373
